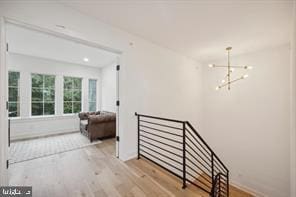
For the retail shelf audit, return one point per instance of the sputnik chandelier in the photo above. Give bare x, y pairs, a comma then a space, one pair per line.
227, 81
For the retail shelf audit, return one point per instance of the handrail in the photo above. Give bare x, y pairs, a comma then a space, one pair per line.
156, 139
159, 118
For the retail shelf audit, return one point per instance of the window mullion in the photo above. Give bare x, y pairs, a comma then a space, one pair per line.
42, 89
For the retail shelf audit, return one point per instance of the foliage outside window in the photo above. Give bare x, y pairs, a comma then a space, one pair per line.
72, 95
13, 92
43, 94
92, 95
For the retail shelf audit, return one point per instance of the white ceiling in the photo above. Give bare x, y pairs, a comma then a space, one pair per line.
200, 29
33, 43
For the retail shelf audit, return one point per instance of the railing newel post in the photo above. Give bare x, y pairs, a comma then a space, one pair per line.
227, 183
212, 168
138, 117
219, 185
184, 156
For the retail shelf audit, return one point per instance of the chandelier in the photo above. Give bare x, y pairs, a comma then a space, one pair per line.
227, 81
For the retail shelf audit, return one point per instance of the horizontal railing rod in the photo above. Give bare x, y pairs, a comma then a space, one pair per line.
225, 180
196, 167
159, 118
209, 187
198, 141
209, 170
199, 174
163, 143
222, 188
154, 123
160, 130
198, 154
220, 165
199, 149
218, 169
163, 155
192, 128
160, 160
222, 192
191, 182
166, 138
180, 156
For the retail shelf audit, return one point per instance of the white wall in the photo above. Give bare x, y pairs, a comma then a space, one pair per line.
248, 126
26, 126
108, 88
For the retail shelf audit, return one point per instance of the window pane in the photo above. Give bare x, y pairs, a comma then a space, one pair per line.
13, 78
43, 94
37, 109
72, 94
92, 90
77, 83
68, 83
92, 106
37, 80
76, 107
48, 108
13, 94
76, 95
67, 95
67, 107
37, 94
49, 81
13, 109
48, 95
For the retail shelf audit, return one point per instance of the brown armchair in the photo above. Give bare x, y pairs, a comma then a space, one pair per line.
98, 125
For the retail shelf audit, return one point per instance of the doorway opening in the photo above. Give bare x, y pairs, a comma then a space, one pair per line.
63, 94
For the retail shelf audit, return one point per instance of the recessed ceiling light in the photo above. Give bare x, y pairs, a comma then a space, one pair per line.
85, 59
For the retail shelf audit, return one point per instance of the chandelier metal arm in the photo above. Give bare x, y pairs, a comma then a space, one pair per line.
222, 66
235, 80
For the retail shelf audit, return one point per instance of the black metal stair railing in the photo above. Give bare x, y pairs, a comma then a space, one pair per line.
178, 148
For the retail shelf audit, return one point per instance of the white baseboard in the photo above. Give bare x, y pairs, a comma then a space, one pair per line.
129, 156
247, 189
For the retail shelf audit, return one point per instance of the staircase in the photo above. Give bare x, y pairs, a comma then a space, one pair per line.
176, 146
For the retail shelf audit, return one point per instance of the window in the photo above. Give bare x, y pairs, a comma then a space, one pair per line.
92, 95
43, 95
13, 92
72, 95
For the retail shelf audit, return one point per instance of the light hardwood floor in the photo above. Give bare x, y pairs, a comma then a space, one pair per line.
95, 171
